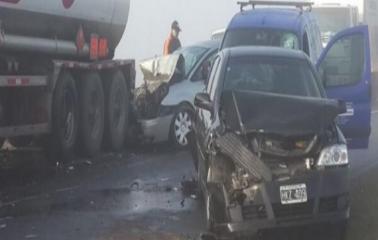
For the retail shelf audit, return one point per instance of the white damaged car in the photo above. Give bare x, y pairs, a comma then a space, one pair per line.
165, 100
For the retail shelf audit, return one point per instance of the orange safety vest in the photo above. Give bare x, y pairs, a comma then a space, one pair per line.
171, 44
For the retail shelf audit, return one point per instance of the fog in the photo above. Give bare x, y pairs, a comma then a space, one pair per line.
150, 20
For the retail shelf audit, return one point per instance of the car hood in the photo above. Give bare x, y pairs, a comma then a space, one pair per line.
162, 69
284, 115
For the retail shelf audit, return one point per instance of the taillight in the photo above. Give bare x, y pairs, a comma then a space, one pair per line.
94, 53
103, 49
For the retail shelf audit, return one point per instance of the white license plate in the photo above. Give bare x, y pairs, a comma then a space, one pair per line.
293, 194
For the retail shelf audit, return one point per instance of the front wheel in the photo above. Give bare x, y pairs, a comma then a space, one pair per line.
182, 126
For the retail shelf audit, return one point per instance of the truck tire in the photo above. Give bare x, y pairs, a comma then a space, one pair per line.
117, 111
92, 112
65, 118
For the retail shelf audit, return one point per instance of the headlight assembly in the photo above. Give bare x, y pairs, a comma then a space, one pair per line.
336, 155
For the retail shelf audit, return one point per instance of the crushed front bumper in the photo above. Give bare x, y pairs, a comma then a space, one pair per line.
328, 203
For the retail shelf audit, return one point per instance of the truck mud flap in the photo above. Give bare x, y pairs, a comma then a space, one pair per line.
230, 145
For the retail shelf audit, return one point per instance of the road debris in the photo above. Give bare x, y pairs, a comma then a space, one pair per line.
2, 226
31, 236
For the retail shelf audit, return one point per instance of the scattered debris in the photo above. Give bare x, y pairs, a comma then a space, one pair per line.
189, 187
182, 203
135, 186
71, 168
88, 162
2, 226
168, 189
31, 236
193, 196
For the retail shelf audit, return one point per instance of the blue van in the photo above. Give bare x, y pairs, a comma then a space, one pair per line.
344, 65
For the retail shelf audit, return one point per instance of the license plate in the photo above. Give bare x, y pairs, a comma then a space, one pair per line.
293, 194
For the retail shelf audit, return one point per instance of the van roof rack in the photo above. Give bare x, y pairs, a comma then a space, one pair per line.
253, 3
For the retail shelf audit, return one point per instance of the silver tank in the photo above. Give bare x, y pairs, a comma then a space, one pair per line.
57, 22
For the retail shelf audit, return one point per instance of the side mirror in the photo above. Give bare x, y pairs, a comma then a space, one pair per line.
342, 106
202, 100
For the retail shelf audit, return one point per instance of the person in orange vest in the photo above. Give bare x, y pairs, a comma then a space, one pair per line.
172, 43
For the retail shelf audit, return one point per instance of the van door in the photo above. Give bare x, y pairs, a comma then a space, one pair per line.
345, 70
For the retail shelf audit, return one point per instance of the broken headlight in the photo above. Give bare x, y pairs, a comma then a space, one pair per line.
336, 155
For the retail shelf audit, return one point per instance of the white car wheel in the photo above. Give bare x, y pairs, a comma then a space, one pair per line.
181, 127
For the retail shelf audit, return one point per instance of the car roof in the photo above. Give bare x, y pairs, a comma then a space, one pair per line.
245, 51
290, 19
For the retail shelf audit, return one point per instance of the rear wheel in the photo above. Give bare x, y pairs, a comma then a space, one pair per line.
65, 117
182, 126
117, 111
92, 109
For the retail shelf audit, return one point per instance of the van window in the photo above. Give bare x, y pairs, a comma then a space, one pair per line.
342, 64
260, 37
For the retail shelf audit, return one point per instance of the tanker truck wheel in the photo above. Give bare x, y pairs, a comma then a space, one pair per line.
65, 118
92, 114
117, 111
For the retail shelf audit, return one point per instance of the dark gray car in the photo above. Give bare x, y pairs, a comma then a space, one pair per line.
268, 151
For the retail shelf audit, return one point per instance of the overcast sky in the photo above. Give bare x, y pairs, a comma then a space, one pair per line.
150, 20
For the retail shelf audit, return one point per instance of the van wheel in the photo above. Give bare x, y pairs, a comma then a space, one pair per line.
182, 126
65, 118
117, 111
92, 112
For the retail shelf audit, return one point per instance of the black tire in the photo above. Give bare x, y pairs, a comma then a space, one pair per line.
183, 112
117, 111
65, 118
20, 142
92, 114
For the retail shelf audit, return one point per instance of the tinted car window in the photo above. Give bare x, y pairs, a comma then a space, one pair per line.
191, 55
282, 76
260, 37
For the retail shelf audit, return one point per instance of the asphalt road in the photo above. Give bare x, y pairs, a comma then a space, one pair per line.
141, 194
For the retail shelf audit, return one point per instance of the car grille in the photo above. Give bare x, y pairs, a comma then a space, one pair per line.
293, 210
328, 204
253, 212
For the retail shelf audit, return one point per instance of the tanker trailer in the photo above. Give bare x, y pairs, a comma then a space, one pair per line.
59, 86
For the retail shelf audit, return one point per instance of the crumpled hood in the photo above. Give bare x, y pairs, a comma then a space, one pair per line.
284, 115
162, 69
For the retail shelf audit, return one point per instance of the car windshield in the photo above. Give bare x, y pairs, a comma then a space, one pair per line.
260, 37
278, 75
192, 56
